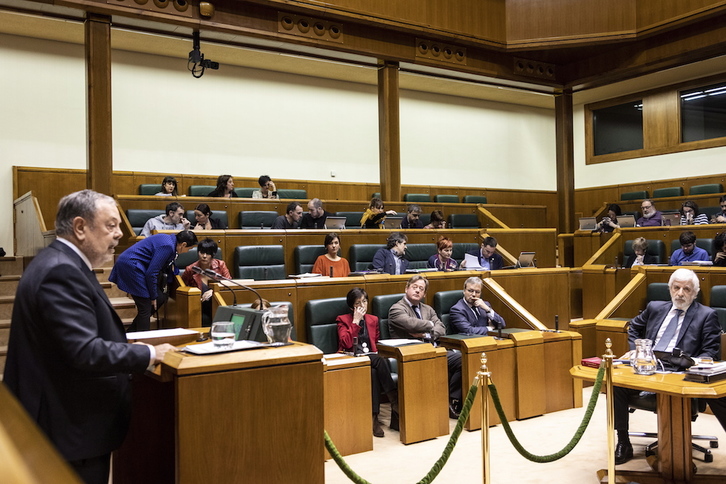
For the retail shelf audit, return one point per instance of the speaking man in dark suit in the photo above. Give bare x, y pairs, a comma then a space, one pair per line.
68, 362
412, 318
471, 314
682, 323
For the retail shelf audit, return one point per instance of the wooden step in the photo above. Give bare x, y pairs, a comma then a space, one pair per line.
3, 357
8, 285
6, 306
4, 331
11, 266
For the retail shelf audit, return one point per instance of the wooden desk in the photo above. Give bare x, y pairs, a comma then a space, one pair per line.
347, 384
675, 463
251, 416
423, 390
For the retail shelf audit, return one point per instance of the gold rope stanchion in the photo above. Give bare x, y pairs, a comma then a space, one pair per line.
608, 359
482, 381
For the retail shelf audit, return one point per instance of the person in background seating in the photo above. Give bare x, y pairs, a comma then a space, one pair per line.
688, 252
330, 263
471, 314
690, 214
719, 254
437, 220
267, 188
291, 219
487, 255
168, 187
225, 187
720, 217
651, 217
173, 219
610, 221
443, 261
205, 221
206, 250
374, 215
412, 220
316, 216
390, 259
358, 333
640, 256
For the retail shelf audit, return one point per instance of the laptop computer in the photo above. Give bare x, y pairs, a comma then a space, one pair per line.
393, 223
588, 223
526, 259
671, 219
626, 221
335, 223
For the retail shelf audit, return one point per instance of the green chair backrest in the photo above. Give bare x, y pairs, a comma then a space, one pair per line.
149, 188
709, 211
201, 190
461, 249
361, 256
191, 257
463, 221
668, 192
418, 255
380, 307
292, 193
305, 257
658, 291
416, 197
322, 330
138, 217
352, 219
244, 192
718, 302
255, 219
443, 300
637, 195
655, 247
446, 198
475, 199
259, 262
705, 189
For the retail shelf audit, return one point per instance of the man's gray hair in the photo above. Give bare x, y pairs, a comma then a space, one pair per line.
473, 280
413, 208
82, 204
685, 275
317, 203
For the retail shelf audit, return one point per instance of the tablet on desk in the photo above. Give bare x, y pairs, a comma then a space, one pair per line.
335, 223
393, 223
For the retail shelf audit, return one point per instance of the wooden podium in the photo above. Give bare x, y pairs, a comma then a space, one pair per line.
252, 416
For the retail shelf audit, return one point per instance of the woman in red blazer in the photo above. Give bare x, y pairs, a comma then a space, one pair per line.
358, 333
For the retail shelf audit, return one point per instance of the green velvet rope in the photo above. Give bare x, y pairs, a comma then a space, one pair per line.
438, 465
575, 438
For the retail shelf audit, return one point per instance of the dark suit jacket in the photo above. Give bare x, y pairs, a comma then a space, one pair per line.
700, 331
496, 260
465, 321
385, 261
138, 268
308, 222
403, 322
68, 361
647, 259
347, 331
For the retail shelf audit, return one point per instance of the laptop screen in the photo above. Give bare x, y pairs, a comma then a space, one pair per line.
335, 223
526, 259
392, 222
587, 223
626, 221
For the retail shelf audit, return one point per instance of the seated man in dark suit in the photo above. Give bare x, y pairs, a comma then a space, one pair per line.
681, 322
471, 314
412, 220
487, 255
412, 318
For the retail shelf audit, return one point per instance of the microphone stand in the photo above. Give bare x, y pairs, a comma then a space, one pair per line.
199, 270
219, 277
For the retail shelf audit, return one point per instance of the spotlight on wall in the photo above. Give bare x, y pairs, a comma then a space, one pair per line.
197, 63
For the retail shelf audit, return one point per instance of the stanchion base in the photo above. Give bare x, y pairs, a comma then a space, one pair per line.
638, 477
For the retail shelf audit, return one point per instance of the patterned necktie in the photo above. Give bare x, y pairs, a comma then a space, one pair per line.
669, 333
415, 310
476, 312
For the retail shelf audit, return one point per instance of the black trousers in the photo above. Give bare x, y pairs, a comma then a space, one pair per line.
381, 381
453, 359
144, 310
94, 470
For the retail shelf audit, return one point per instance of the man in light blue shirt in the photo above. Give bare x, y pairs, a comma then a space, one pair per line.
688, 251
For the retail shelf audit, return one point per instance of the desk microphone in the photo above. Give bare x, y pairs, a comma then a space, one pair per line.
216, 276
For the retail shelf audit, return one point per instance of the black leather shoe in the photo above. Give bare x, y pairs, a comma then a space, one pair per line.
623, 453
454, 409
394, 421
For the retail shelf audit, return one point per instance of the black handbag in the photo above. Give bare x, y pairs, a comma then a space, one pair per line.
362, 342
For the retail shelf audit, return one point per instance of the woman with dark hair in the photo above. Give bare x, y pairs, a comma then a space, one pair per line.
610, 221
358, 333
206, 250
437, 220
330, 263
690, 214
374, 215
203, 215
168, 187
225, 187
390, 259
267, 188
719, 250
443, 261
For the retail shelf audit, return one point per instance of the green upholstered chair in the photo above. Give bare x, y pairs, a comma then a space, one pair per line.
658, 291
376, 195
191, 257
709, 211
292, 193
138, 217
149, 188
320, 314
380, 305
244, 192
201, 190
461, 249
418, 255
425, 219
655, 248
446, 198
361, 256
220, 215
668, 192
259, 262
475, 199
463, 221
305, 257
443, 300
718, 302
705, 189
352, 219
416, 197
256, 219
637, 195
705, 244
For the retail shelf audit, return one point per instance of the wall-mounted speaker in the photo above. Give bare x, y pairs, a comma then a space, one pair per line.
440, 51
171, 7
540, 70
288, 23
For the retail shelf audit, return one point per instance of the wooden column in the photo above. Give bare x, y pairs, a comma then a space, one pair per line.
389, 133
565, 162
99, 158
